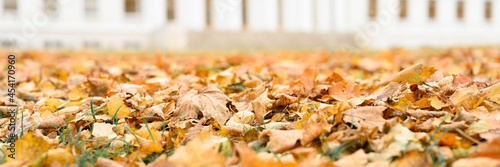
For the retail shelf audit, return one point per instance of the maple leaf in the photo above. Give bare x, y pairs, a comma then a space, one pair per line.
209, 102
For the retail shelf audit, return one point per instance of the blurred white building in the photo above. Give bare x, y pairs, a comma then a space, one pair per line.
265, 24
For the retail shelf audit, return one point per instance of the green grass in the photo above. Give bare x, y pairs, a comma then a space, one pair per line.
149, 130
92, 109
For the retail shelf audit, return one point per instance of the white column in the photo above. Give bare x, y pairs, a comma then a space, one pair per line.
474, 12
112, 11
446, 12
1, 7
387, 13
297, 16
358, 13
323, 15
495, 13
191, 14
418, 12
71, 11
154, 12
227, 15
262, 15
340, 15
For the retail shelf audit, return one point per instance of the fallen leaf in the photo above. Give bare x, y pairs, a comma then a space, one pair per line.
117, 108
201, 151
356, 159
412, 159
370, 116
30, 148
103, 130
489, 149
209, 102
282, 140
479, 161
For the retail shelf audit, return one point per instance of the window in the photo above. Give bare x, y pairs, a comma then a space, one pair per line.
487, 10
208, 5
91, 8
372, 9
170, 10
432, 9
460, 10
402, 9
50, 7
131, 6
10, 5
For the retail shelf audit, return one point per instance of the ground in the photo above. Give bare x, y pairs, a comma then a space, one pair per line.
396, 107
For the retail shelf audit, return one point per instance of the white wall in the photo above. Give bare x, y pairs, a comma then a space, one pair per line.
113, 29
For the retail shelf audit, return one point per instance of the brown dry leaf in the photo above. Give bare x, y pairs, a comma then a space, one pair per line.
103, 162
469, 97
285, 100
490, 149
479, 161
59, 156
248, 158
370, 116
98, 86
461, 79
313, 129
201, 151
209, 102
412, 158
117, 108
410, 74
306, 82
282, 140
340, 92
259, 111
161, 161
50, 121
30, 148
356, 159
387, 91
493, 118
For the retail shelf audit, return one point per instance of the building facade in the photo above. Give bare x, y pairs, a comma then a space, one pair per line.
214, 24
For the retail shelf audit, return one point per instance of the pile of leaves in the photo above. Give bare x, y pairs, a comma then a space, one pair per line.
395, 107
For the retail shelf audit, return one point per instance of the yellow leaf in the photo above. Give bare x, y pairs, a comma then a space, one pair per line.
116, 106
149, 147
77, 94
52, 103
60, 156
402, 104
437, 103
143, 132
30, 148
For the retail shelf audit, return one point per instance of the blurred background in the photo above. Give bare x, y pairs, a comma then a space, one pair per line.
142, 25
